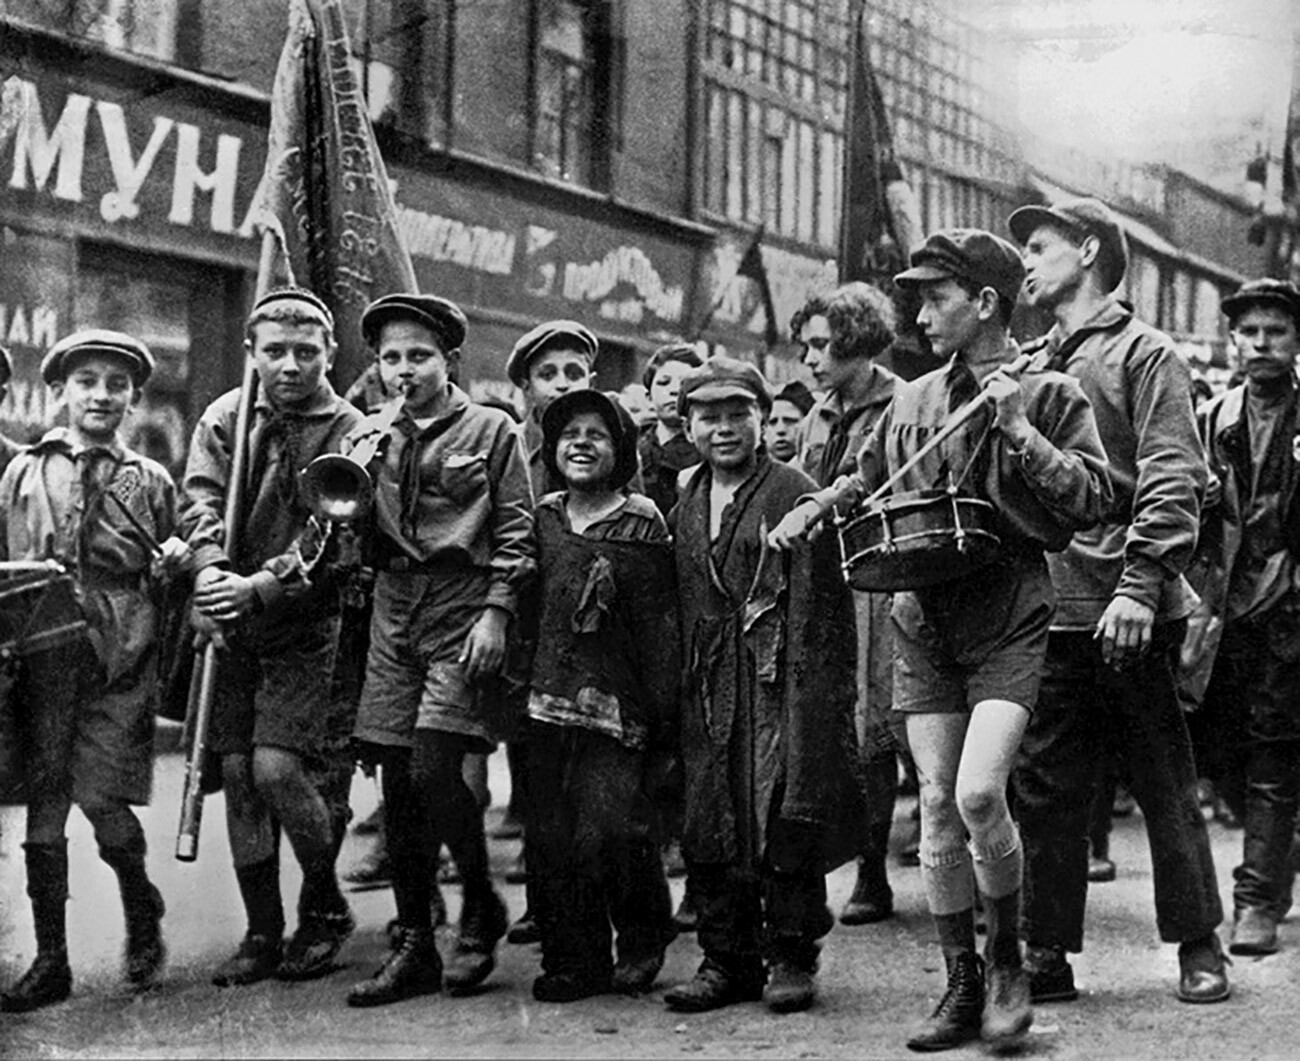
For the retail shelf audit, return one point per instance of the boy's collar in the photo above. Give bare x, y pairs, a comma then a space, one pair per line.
62, 438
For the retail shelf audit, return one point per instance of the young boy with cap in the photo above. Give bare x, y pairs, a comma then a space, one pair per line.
767, 708
271, 599
663, 446
81, 498
790, 406
1249, 544
603, 708
452, 542
969, 650
1110, 680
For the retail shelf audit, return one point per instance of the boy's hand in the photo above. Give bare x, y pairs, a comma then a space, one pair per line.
1124, 630
225, 596
795, 526
206, 630
1009, 401
485, 648
173, 555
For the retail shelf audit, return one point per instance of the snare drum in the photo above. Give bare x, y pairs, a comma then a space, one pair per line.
910, 541
38, 609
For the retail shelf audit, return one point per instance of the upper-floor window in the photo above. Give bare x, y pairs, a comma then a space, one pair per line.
572, 90
146, 27
405, 54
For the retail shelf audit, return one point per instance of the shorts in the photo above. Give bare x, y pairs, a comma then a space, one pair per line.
982, 637
414, 677
277, 693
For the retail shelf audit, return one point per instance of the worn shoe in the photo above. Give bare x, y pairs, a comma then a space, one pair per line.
869, 902
145, 952
413, 968
569, 987
790, 987
257, 958
1051, 979
1007, 1013
372, 872
525, 931
958, 1016
712, 988
1203, 973
313, 948
636, 976
687, 917
1100, 870
482, 923
49, 980
1254, 932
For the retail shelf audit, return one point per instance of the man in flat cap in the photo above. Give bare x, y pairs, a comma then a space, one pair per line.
842, 334
767, 715
81, 498
271, 599
1250, 599
1110, 680
453, 550
969, 650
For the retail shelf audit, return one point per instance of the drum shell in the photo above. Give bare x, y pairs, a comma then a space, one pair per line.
912, 541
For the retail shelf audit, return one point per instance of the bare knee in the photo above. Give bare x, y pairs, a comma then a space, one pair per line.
940, 819
980, 804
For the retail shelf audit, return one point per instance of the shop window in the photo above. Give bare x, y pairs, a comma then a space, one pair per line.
573, 93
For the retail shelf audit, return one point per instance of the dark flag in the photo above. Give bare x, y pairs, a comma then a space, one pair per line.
879, 219
325, 192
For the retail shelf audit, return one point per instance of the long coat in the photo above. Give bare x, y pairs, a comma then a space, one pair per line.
769, 647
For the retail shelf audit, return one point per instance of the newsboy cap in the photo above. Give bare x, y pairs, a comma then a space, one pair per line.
1263, 292
969, 254
545, 336
440, 315
720, 378
796, 392
622, 430
1083, 217
91, 342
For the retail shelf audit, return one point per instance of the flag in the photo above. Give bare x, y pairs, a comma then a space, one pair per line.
752, 267
879, 216
324, 192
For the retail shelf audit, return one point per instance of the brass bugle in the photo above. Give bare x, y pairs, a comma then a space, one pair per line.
336, 487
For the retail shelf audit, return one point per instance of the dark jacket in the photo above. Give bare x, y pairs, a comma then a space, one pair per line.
662, 463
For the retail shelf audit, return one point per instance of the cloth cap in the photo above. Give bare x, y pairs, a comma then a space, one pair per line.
622, 430
440, 315
683, 352
969, 254
724, 377
543, 337
295, 294
98, 341
1083, 217
1265, 292
797, 394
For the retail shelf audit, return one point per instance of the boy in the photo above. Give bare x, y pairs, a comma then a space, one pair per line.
275, 719
767, 713
603, 707
790, 405
453, 548
969, 651
663, 446
87, 726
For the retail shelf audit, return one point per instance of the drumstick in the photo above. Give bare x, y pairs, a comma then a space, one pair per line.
134, 520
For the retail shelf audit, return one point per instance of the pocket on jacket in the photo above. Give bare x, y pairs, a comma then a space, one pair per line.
464, 476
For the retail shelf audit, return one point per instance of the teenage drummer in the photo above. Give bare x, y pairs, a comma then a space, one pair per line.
969, 651
81, 498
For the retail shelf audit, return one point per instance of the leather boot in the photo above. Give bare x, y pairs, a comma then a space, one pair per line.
1202, 971
1254, 932
716, 985
956, 1019
792, 977
1007, 1012
412, 968
143, 908
483, 922
872, 899
49, 979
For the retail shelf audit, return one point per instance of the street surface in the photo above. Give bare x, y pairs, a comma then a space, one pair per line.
875, 980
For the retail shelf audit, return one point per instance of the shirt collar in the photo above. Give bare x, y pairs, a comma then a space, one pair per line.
61, 440
321, 403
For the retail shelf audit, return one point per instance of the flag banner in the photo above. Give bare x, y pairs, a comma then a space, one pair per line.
879, 217
325, 191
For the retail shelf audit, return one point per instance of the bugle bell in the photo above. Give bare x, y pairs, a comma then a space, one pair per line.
337, 488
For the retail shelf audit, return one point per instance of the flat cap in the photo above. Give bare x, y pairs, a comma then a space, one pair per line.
797, 394
545, 336
683, 352
90, 342
279, 295
622, 429
440, 315
1084, 217
724, 377
969, 254
1264, 292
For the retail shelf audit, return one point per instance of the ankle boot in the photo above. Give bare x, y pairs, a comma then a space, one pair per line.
143, 908
1007, 1012
872, 899
483, 921
956, 1019
412, 968
49, 979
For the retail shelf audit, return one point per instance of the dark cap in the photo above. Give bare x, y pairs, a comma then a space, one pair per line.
969, 254
441, 316
97, 342
683, 352
1083, 217
279, 295
6, 366
545, 336
1265, 292
797, 394
622, 430
724, 377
